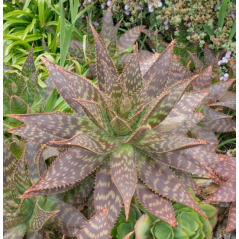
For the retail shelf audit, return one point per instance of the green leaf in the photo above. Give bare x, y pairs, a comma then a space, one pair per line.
222, 13
18, 106
6, 104
41, 11
123, 229
233, 30
16, 232
208, 30
142, 227
17, 148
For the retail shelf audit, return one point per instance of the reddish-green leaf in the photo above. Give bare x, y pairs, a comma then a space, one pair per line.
17, 232
161, 179
131, 77
204, 133
197, 63
162, 143
161, 70
68, 220
177, 72
112, 87
231, 224
96, 112
58, 124
209, 58
187, 181
102, 54
29, 67
184, 160
226, 193
167, 104
233, 65
39, 217
78, 194
228, 103
144, 55
14, 222
19, 177
35, 235
18, 106
124, 173
191, 120
9, 163
206, 156
188, 103
145, 65
225, 169
63, 85
120, 126
221, 125
31, 133
155, 203
107, 24
210, 114
107, 195
128, 39
216, 91
204, 79
84, 89
72, 166
98, 142
97, 227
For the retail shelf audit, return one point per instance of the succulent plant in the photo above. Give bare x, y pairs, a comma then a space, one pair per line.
30, 215
190, 223
123, 227
21, 92
128, 125
108, 36
227, 192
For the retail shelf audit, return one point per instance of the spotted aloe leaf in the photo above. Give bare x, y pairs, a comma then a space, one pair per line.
155, 203
148, 169
124, 173
9, 163
68, 220
231, 225
128, 39
16, 232
79, 167
200, 132
29, 66
79, 194
96, 227
39, 217
177, 72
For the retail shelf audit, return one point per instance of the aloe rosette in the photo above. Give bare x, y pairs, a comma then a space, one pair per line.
124, 130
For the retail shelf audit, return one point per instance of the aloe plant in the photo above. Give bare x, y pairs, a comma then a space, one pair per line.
123, 125
116, 47
21, 91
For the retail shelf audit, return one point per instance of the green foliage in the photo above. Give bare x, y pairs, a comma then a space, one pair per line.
123, 227
22, 93
190, 223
